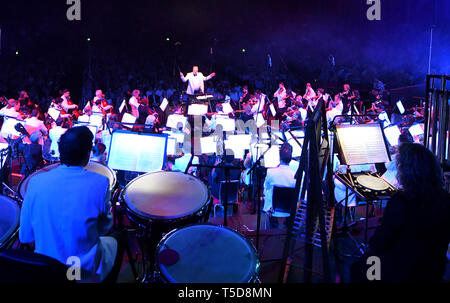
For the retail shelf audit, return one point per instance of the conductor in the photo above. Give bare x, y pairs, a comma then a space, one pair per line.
196, 82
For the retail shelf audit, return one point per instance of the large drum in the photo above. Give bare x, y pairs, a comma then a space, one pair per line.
9, 220
165, 197
206, 253
92, 166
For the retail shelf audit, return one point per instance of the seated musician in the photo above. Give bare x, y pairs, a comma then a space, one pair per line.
32, 154
35, 124
73, 221
12, 109
247, 114
413, 238
281, 176
58, 129
134, 103
57, 104
67, 104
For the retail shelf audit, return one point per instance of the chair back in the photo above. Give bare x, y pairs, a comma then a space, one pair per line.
283, 199
232, 189
21, 266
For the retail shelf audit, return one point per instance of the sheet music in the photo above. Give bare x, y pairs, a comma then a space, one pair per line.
174, 121
400, 107
238, 144
392, 134
54, 113
272, 110
164, 104
127, 118
197, 109
137, 153
272, 157
172, 146
122, 106
96, 120
208, 145
228, 124
226, 107
362, 144
259, 118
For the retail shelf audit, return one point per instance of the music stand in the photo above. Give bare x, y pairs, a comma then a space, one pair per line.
359, 145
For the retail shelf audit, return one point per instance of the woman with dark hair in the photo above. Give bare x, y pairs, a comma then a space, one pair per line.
413, 238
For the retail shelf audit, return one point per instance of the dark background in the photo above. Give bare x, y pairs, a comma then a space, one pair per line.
298, 35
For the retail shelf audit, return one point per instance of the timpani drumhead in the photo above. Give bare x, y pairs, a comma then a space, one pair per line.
91, 166
372, 182
9, 218
208, 254
165, 195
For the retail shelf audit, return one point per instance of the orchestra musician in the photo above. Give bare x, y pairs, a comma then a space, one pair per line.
67, 103
134, 103
310, 94
348, 97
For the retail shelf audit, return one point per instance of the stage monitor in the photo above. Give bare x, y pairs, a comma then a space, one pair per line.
143, 153
362, 144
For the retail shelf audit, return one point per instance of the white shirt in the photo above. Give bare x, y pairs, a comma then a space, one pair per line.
54, 134
196, 83
65, 104
281, 176
66, 221
134, 106
10, 112
281, 98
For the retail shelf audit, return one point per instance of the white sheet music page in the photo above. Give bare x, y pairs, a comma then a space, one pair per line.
362, 144
138, 153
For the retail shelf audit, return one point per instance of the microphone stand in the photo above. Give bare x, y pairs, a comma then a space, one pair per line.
254, 169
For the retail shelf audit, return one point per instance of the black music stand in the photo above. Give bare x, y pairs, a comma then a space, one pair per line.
354, 149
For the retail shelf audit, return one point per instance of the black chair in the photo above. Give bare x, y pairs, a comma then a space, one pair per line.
22, 266
283, 199
228, 193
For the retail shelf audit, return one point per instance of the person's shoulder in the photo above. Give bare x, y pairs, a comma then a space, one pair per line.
96, 178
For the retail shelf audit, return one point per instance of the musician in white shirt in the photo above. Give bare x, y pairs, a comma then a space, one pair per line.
134, 102
196, 81
281, 176
310, 93
65, 104
281, 95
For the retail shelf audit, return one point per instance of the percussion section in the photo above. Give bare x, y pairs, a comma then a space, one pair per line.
206, 253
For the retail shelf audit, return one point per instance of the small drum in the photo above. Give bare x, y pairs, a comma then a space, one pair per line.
9, 220
206, 253
165, 197
92, 166
372, 182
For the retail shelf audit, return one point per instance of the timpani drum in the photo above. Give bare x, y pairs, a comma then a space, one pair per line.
91, 166
9, 220
206, 253
165, 197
